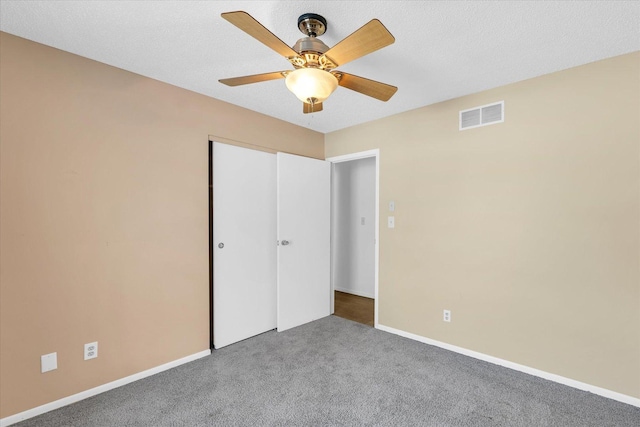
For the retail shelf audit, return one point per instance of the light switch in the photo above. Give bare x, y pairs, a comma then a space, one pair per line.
392, 206
391, 222
362, 221
48, 362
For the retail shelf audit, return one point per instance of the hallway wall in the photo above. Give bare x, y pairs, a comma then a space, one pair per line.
353, 235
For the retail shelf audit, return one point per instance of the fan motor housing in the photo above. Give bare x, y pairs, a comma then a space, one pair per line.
310, 44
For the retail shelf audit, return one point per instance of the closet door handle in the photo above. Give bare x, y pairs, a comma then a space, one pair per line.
284, 242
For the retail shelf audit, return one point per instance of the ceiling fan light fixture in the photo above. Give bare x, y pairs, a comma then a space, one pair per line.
314, 78
311, 85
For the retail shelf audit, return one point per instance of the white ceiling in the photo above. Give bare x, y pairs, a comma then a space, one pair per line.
443, 49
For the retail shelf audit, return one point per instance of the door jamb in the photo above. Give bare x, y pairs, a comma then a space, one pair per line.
211, 245
357, 156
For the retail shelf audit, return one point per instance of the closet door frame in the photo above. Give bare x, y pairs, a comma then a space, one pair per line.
213, 243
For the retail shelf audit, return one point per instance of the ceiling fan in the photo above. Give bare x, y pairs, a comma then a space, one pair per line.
314, 77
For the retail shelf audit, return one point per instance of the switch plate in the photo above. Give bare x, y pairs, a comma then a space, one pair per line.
91, 350
391, 222
446, 316
48, 362
392, 206
362, 221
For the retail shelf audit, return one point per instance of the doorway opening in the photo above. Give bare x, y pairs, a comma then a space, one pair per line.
354, 236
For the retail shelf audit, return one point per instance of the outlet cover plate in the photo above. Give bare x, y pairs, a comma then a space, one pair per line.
48, 362
91, 350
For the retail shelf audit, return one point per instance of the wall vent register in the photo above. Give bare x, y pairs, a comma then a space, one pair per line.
482, 116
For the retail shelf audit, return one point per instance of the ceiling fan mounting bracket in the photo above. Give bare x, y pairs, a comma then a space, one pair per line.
312, 24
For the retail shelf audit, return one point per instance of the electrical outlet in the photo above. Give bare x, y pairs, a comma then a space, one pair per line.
91, 350
48, 362
446, 316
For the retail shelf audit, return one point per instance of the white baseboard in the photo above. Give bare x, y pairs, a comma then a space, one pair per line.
352, 292
7, 421
517, 367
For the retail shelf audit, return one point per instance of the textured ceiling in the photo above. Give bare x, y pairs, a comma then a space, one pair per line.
443, 49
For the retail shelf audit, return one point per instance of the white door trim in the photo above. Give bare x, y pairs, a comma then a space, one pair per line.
356, 156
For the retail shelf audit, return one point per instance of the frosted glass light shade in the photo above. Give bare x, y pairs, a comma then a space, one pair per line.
311, 84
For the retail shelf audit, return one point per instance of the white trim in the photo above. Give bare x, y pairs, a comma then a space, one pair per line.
480, 108
630, 400
354, 156
332, 304
30, 413
352, 292
363, 155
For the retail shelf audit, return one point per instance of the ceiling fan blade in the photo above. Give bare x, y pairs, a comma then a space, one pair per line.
368, 38
308, 108
372, 88
255, 78
249, 25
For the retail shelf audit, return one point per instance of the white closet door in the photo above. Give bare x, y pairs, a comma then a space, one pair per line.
304, 216
244, 238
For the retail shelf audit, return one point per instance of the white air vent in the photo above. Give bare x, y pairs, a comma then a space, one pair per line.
482, 116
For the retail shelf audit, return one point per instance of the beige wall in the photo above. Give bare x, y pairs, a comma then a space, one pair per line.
104, 223
528, 231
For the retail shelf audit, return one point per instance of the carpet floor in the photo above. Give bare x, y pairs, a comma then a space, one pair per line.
337, 372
